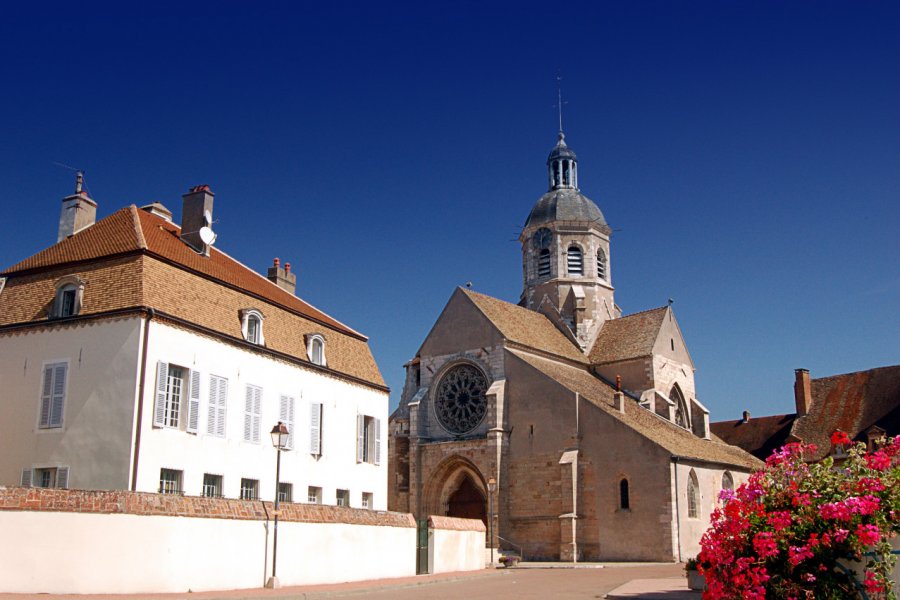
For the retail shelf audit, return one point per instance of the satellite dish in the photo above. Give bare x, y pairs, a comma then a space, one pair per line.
207, 218
207, 236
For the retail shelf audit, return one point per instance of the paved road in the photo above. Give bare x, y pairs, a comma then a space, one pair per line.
519, 584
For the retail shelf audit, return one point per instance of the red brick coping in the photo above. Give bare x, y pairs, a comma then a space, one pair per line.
147, 504
455, 524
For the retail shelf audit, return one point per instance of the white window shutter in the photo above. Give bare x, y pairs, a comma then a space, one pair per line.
377, 441
193, 420
59, 395
248, 415
159, 410
27, 478
257, 413
46, 396
220, 409
62, 478
212, 406
315, 428
360, 438
286, 416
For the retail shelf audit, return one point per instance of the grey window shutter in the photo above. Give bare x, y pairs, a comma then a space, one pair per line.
220, 409
59, 395
46, 396
26, 478
193, 420
377, 441
360, 437
62, 478
159, 410
315, 428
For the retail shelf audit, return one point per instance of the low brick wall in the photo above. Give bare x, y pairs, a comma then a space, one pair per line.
90, 542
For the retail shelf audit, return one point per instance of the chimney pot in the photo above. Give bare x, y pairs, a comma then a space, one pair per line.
287, 267
282, 276
802, 391
277, 262
746, 416
618, 382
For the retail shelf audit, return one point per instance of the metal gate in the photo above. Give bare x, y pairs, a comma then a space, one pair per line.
421, 546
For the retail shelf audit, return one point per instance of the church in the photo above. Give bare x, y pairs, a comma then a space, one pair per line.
573, 431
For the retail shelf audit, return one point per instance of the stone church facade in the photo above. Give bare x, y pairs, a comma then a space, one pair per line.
570, 429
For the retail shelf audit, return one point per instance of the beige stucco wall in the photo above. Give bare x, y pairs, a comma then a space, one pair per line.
454, 550
95, 439
53, 552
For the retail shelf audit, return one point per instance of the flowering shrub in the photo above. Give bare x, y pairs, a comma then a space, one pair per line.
781, 534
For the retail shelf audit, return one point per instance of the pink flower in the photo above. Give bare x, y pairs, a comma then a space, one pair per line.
872, 583
868, 535
764, 544
878, 461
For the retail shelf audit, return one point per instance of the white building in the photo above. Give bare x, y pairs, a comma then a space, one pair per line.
133, 355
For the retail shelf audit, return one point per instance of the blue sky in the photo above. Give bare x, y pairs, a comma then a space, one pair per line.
747, 155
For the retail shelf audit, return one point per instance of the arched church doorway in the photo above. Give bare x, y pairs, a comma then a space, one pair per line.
467, 502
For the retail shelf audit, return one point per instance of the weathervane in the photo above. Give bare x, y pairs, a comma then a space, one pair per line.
559, 100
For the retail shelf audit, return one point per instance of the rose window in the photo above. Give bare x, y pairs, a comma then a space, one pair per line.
460, 403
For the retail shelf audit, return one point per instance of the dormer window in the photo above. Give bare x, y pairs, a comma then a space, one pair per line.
252, 326
69, 294
315, 349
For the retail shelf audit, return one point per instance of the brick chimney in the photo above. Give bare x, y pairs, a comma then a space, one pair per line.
282, 277
78, 211
802, 391
197, 204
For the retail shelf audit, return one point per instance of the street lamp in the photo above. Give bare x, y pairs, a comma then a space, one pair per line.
279, 435
492, 487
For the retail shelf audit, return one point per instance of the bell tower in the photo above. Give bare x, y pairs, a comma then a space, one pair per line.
566, 253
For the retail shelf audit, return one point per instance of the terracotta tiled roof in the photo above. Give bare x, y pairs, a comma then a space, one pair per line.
851, 402
627, 337
759, 435
131, 230
674, 439
526, 327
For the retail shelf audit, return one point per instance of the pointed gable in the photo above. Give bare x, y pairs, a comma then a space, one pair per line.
632, 336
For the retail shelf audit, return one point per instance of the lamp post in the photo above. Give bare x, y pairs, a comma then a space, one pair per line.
492, 487
279, 435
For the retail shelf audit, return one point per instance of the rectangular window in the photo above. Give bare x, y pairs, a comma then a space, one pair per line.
249, 489
177, 398
342, 497
170, 481
285, 492
286, 416
314, 495
315, 429
252, 413
218, 399
53, 395
367, 500
212, 485
49, 477
368, 436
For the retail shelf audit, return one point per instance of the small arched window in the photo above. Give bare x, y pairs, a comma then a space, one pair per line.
693, 496
544, 263
315, 349
601, 264
574, 261
624, 498
69, 294
252, 327
727, 481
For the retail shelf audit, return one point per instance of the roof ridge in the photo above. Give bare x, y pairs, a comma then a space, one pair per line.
827, 377
641, 312
138, 227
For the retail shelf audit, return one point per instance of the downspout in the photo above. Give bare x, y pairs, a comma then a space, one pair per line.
140, 403
677, 509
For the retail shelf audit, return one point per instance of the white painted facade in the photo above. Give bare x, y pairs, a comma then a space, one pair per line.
106, 419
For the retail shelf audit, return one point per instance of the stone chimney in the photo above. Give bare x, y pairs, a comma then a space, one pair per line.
282, 277
802, 391
78, 211
746, 416
196, 213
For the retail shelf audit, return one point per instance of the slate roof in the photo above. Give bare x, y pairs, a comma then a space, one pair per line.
133, 230
851, 402
678, 441
564, 204
631, 336
525, 327
759, 436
